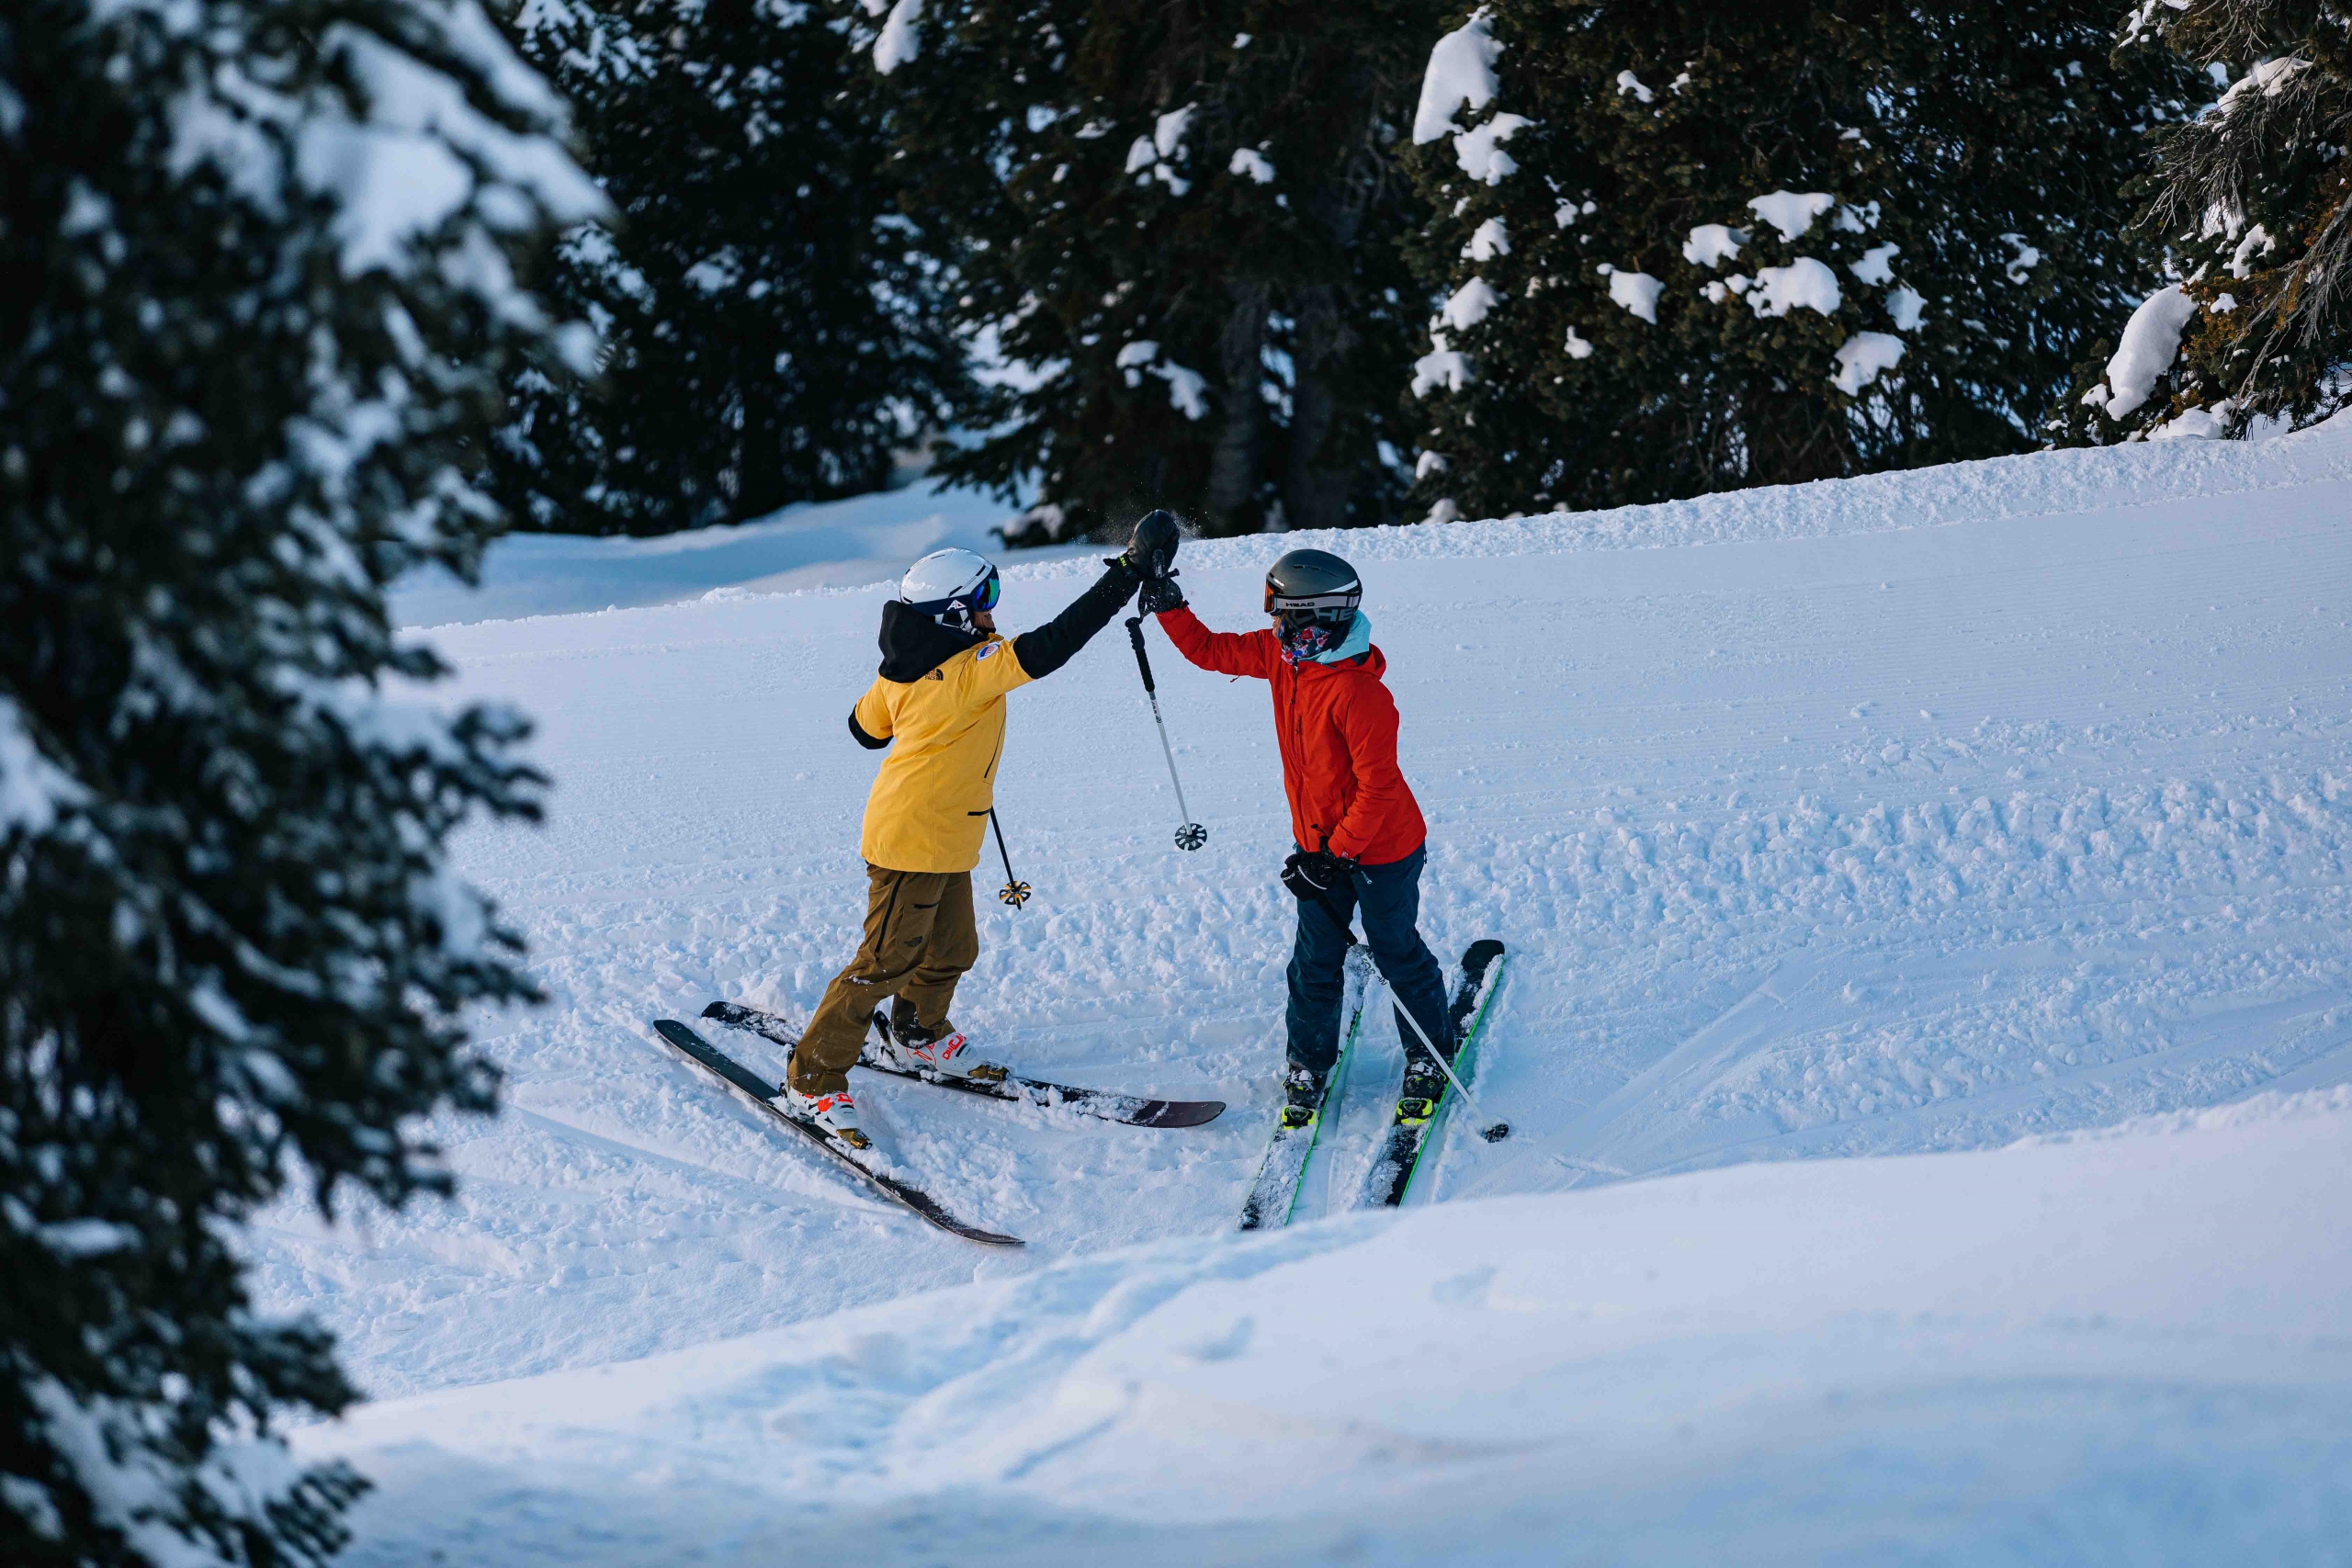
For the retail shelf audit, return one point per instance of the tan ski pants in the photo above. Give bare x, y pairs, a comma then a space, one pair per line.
920, 940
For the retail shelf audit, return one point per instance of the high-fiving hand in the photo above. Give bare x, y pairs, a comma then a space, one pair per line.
1151, 558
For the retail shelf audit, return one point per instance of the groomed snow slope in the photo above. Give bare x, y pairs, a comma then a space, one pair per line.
862, 539
2125, 1348
1915, 813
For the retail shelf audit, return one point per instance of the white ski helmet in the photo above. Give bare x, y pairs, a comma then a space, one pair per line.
951, 586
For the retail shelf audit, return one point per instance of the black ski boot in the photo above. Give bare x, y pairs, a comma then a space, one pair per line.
1302, 1095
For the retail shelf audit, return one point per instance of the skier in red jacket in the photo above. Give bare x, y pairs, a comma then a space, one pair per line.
1358, 840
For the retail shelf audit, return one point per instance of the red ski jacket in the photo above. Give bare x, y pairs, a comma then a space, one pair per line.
1337, 726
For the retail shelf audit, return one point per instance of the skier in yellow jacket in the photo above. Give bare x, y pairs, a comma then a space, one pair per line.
940, 697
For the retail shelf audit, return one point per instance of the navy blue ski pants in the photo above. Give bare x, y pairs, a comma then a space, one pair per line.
1390, 900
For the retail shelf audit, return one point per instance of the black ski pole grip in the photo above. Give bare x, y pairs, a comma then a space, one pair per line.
1143, 661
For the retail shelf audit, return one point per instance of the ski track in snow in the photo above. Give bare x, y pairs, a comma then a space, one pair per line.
1913, 813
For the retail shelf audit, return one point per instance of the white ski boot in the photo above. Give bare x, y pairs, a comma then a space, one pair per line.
835, 1114
948, 1056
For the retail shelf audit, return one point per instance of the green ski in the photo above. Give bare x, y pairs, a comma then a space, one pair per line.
1273, 1196
1427, 1095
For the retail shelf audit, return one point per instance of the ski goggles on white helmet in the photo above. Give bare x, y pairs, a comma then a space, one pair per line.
951, 586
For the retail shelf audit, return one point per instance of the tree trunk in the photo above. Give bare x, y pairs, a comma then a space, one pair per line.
1230, 497
1315, 489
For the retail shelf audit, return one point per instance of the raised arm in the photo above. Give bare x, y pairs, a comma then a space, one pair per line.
1228, 653
1053, 644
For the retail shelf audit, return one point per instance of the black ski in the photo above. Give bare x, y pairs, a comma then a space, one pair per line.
1273, 1196
1408, 1128
1134, 1110
748, 1086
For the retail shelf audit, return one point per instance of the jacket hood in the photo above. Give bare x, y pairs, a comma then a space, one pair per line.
1358, 640
913, 645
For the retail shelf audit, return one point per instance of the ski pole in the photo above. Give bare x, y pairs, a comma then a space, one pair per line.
1014, 892
1192, 835
1494, 1134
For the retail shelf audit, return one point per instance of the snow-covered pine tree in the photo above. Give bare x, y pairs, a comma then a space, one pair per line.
1684, 247
260, 260
2253, 198
769, 330
1180, 221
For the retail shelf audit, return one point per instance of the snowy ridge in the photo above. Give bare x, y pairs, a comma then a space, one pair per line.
2039, 484
867, 540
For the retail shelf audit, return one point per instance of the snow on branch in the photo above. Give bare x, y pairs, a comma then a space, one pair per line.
1461, 71
1636, 291
1187, 389
1712, 244
1791, 212
899, 42
1804, 281
1863, 356
1442, 366
2151, 341
1480, 151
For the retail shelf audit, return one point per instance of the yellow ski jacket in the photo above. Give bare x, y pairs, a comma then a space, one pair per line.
940, 698
929, 806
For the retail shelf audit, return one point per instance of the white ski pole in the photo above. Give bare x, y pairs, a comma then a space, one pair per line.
1493, 1133
1191, 835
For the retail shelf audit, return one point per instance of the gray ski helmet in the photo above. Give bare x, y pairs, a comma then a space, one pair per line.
1313, 588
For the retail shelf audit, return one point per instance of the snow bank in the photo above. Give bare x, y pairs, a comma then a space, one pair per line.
2135, 1338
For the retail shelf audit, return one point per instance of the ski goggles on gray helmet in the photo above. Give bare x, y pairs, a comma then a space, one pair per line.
1314, 609
1313, 588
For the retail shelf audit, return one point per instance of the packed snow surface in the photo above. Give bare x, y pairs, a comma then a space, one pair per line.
1830, 825
2125, 1349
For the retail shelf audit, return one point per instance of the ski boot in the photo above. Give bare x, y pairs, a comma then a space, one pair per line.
835, 1115
906, 1045
1424, 1082
1302, 1095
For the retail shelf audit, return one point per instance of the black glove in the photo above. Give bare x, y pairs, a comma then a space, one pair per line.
1315, 873
1151, 553
1160, 593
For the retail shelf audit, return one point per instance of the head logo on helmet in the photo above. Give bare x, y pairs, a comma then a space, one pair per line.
1313, 594
951, 586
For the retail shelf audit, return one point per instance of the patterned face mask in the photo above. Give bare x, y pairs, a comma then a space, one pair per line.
1301, 645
